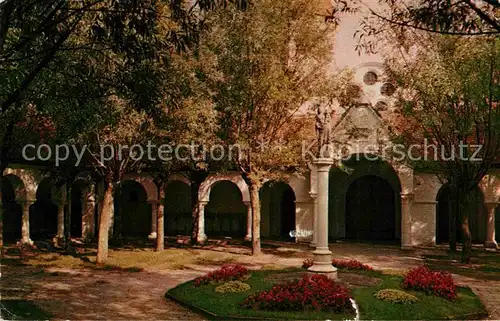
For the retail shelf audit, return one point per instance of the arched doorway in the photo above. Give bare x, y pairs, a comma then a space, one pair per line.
370, 209
12, 211
365, 203
132, 211
76, 210
225, 213
277, 211
178, 216
447, 206
43, 213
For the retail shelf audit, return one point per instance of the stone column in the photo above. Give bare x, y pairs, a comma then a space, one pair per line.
314, 241
154, 206
61, 203
490, 226
406, 221
202, 237
88, 229
322, 255
25, 226
248, 236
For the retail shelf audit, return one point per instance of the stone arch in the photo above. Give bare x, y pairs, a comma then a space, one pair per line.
446, 205
43, 212
490, 187
147, 183
13, 193
178, 177
132, 210
340, 183
18, 186
30, 178
277, 210
225, 213
206, 186
178, 213
406, 179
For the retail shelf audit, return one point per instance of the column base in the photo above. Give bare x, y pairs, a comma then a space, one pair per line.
312, 245
202, 238
491, 245
322, 263
58, 240
26, 242
248, 238
152, 236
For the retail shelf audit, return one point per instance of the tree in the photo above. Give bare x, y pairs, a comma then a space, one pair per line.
262, 66
449, 94
405, 19
45, 44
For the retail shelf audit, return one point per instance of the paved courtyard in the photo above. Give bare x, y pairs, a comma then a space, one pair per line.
78, 293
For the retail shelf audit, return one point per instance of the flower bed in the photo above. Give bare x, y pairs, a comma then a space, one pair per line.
431, 282
342, 264
351, 265
229, 272
316, 292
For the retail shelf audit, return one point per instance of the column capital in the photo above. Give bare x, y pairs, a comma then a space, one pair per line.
493, 205
313, 195
407, 196
323, 164
204, 203
28, 202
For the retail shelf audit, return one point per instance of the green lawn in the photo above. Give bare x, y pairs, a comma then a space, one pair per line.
467, 306
227, 304
484, 266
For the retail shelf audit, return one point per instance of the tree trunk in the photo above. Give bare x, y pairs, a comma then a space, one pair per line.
255, 204
467, 242
195, 211
105, 216
160, 228
1, 211
464, 205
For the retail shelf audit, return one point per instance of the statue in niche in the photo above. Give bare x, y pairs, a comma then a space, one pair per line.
323, 126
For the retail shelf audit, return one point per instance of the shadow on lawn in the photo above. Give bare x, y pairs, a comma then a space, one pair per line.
21, 310
485, 266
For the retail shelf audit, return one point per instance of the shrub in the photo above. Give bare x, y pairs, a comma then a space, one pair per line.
431, 282
395, 296
232, 286
316, 292
307, 263
228, 272
351, 265
395, 272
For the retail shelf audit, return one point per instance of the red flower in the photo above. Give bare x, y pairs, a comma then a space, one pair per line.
431, 282
228, 272
310, 292
351, 265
